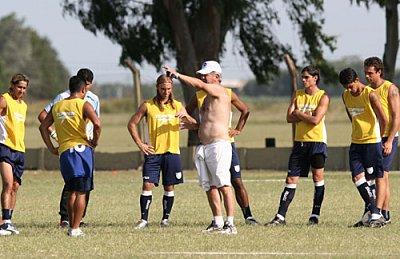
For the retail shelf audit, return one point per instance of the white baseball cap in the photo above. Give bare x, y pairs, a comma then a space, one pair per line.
210, 66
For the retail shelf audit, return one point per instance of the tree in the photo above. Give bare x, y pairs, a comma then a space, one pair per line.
392, 33
192, 31
22, 50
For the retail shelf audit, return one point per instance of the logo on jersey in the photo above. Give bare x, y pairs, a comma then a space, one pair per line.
19, 117
62, 116
308, 108
165, 118
355, 111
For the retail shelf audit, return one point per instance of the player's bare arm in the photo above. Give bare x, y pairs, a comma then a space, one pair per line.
244, 115
132, 128
50, 130
214, 90
89, 113
394, 104
44, 125
290, 117
318, 113
186, 121
347, 111
378, 110
3, 106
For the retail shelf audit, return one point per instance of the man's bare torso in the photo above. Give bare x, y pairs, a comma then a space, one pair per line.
215, 115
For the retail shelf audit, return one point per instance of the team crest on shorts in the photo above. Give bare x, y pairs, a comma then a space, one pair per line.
178, 175
237, 168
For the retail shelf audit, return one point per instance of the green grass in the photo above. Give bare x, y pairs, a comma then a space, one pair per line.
114, 209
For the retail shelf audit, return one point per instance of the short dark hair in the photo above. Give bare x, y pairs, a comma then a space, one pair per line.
76, 84
347, 76
313, 71
86, 74
374, 62
15, 79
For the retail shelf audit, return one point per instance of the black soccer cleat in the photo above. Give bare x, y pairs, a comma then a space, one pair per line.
276, 222
312, 221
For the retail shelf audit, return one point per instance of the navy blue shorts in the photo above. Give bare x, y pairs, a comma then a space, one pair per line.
170, 166
366, 158
235, 164
80, 184
387, 160
300, 158
16, 159
76, 166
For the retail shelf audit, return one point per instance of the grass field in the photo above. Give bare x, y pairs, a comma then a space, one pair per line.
114, 209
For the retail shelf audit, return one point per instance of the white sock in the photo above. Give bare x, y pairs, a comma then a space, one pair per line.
219, 221
230, 220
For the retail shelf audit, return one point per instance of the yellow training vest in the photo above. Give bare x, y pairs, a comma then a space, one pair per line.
69, 123
383, 92
306, 132
201, 95
163, 127
365, 125
12, 125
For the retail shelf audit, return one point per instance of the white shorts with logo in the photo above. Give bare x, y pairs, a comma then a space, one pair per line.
213, 162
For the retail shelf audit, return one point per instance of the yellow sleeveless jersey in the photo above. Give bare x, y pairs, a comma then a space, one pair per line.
163, 127
69, 123
201, 95
12, 125
306, 132
383, 92
365, 125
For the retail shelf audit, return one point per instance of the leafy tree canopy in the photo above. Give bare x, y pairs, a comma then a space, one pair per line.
22, 50
195, 30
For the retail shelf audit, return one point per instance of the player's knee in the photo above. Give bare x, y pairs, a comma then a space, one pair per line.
317, 161
237, 183
292, 180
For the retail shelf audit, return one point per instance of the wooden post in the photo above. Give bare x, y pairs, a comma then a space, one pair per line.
137, 100
293, 75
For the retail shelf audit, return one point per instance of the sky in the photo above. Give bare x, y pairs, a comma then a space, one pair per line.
359, 32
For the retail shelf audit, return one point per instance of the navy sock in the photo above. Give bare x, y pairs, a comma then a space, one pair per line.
6, 214
246, 212
145, 202
367, 195
286, 198
319, 192
168, 202
386, 214
373, 190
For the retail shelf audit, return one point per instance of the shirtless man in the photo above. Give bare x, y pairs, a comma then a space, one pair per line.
213, 156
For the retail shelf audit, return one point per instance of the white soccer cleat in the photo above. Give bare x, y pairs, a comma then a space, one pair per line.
164, 223
8, 227
229, 229
141, 224
75, 232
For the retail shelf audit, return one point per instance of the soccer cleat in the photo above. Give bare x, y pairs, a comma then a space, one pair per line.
75, 232
212, 228
82, 224
365, 219
377, 223
358, 224
10, 227
64, 223
164, 223
276, 222
141, 224
312, 221
228, 229
5, 232
251, 221
388, 221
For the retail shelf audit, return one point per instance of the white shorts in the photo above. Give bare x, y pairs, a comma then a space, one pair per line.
213, 162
